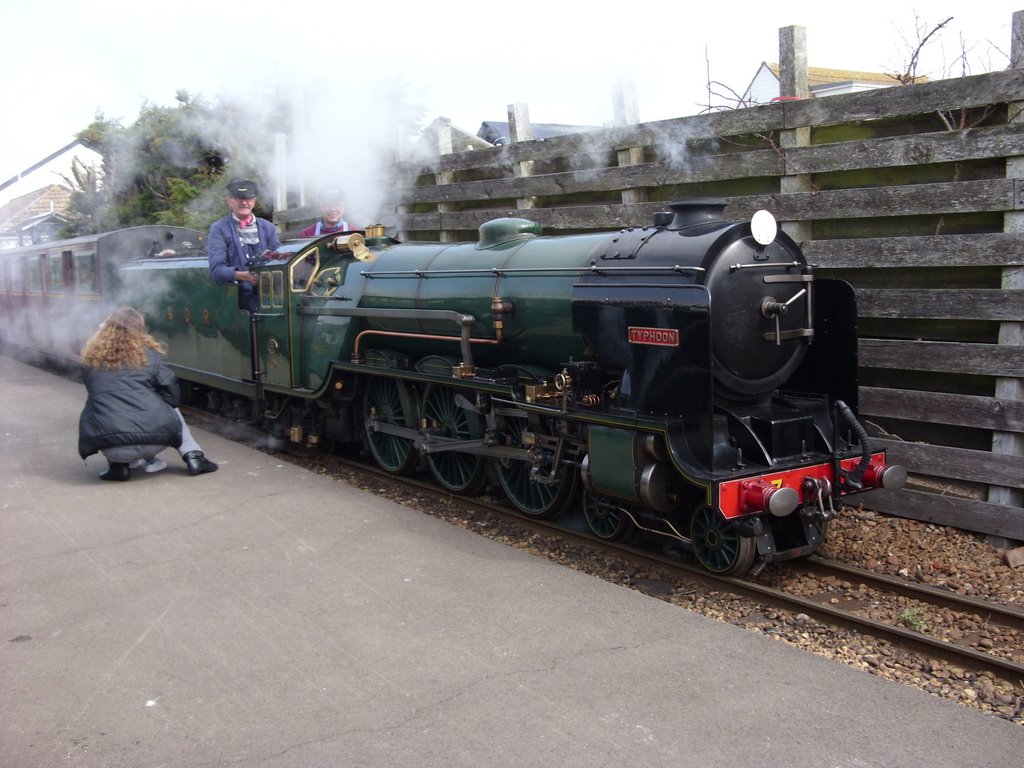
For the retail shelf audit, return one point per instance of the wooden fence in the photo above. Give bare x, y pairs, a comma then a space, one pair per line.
914, 194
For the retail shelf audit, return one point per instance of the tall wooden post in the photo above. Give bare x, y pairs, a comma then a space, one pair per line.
626, 112
519, 129
402, 183
1012, 333
281, 172
297, 179
444, 147
793, 85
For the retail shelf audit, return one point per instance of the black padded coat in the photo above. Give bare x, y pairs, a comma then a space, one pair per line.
130, 406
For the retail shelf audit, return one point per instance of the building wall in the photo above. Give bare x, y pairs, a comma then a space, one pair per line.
763, 88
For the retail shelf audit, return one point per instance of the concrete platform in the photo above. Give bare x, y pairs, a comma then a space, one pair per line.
267, 616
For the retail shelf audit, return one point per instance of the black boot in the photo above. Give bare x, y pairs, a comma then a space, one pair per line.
117, 471
197, 463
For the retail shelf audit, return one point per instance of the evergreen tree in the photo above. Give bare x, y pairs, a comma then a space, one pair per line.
170, 165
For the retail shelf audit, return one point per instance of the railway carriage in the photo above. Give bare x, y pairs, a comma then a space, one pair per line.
54, 294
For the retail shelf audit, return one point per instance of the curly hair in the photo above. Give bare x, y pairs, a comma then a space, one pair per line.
121, 342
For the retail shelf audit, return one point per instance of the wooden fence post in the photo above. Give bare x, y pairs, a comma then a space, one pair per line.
519, 129
625, 111
402, 183
1012, 333
444, 147
793, 84
281, 171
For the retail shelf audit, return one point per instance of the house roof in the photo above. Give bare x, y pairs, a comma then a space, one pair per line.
827, 76
51, 199
498, 132
38, 219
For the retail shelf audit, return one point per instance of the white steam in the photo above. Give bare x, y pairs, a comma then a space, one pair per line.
345, 136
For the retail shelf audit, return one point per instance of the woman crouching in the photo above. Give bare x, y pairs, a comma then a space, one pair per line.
132, 413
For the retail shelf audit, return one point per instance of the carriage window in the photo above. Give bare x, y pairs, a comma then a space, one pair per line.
85, 273
15, 280
68, 267
54, 274
33, 273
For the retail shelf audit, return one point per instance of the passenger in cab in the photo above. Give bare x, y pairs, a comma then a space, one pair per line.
131, 413
239, 241
332, 208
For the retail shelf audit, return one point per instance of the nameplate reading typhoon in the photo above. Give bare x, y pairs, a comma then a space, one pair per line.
659, 337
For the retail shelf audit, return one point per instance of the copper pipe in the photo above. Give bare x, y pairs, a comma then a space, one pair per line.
499, 338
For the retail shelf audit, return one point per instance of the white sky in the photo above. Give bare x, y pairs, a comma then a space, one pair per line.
63, 62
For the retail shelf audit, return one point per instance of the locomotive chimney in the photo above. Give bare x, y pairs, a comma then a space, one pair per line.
697, 210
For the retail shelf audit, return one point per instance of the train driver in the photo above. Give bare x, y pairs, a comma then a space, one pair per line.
238, 241
332, 208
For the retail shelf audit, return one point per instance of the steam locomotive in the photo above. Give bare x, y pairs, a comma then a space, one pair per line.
692, 379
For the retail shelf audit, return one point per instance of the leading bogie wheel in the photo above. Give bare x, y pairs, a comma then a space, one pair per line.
606, 519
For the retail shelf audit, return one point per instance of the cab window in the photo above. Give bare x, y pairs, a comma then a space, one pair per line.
272, 289
303, 268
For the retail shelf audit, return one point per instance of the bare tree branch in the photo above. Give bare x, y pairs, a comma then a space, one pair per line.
910, 74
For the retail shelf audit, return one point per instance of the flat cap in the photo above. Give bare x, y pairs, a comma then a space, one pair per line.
242, 188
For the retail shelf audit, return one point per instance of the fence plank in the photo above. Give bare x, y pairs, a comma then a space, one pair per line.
941, 408
951, 146
977, 516
996, 249
955, 463
887, 202
941, 303
921, 98
942, 357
